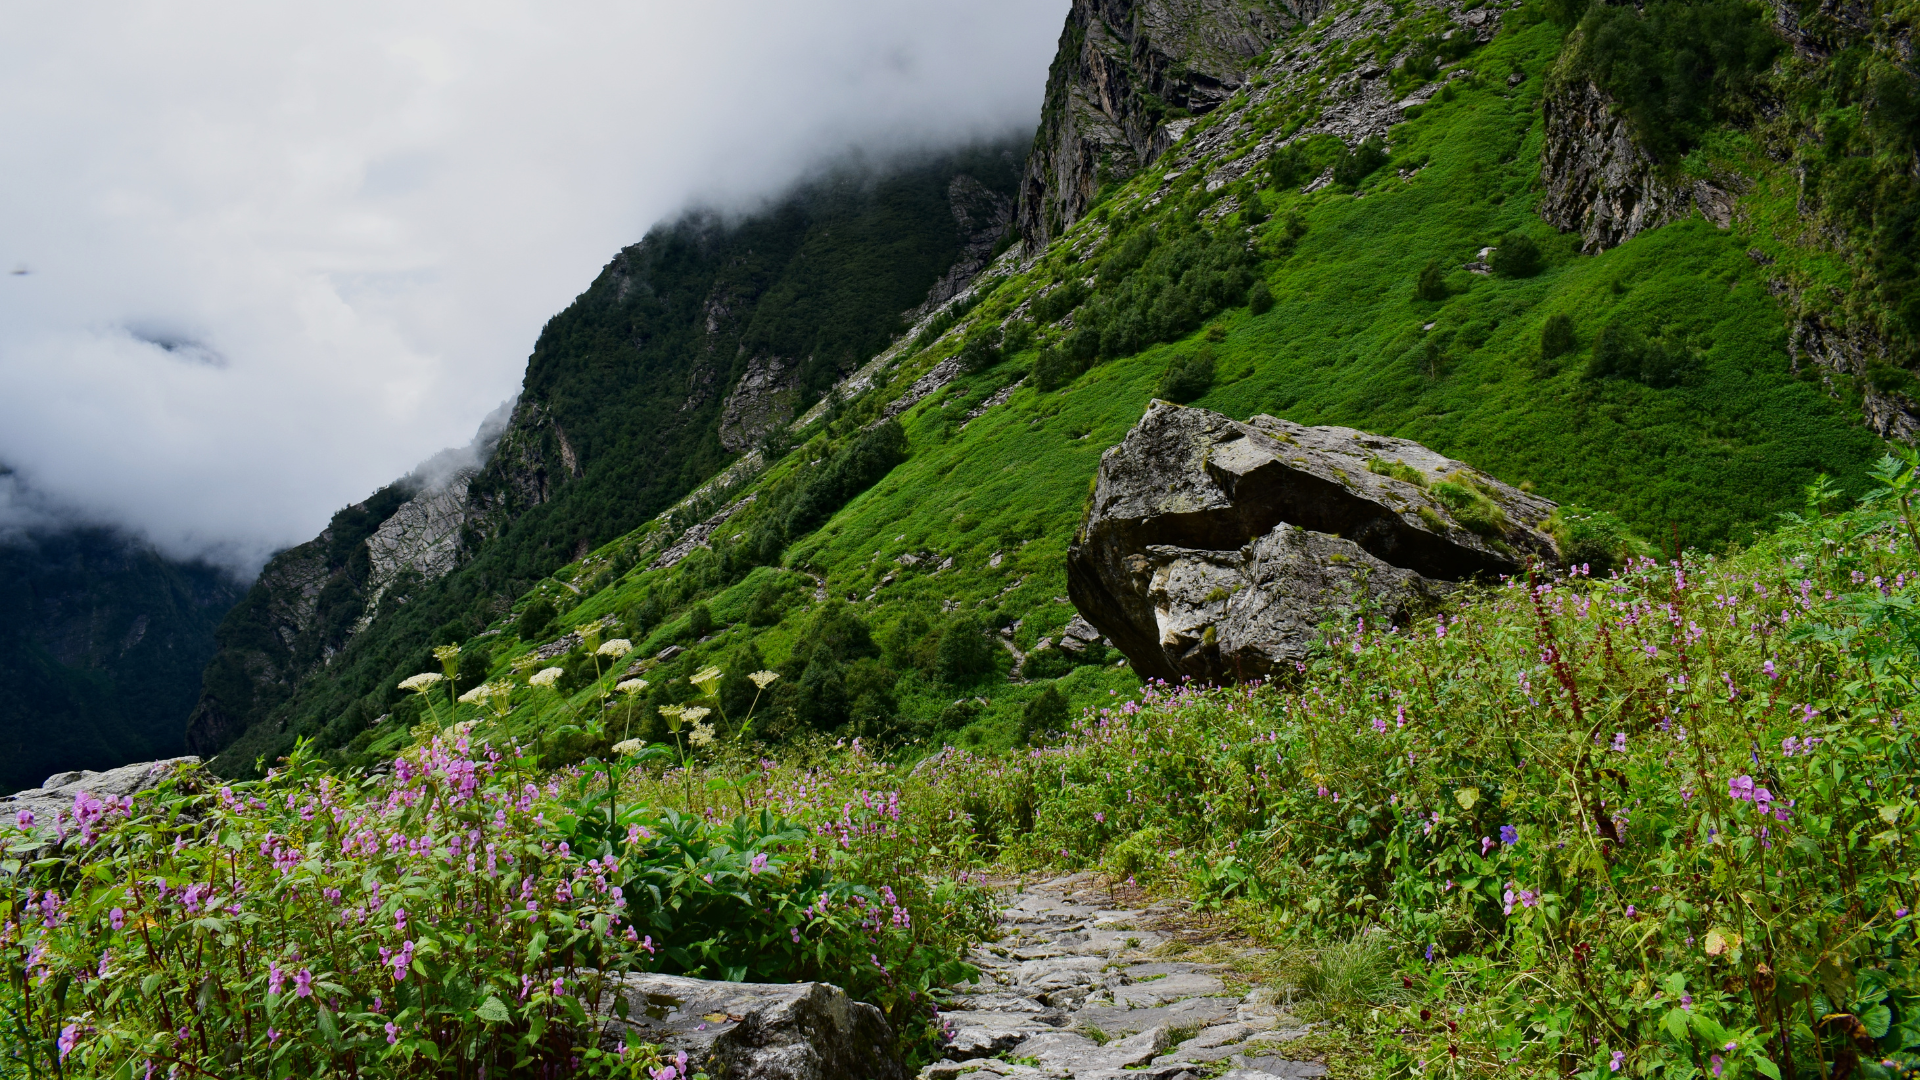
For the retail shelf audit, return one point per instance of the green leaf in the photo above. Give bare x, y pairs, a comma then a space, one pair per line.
1877, 1020
1676, 1022
328, 1029
494, 1011
537, 947
1766, 1068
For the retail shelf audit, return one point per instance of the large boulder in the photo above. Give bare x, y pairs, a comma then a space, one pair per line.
1216, 549
759, 1031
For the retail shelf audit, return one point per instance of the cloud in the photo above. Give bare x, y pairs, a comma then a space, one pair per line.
281, 253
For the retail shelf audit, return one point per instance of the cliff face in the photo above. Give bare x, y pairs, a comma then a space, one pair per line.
1128, 76
1603, 184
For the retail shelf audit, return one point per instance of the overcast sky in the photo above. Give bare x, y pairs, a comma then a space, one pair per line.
277, 254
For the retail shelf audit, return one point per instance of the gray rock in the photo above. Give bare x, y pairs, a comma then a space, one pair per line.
57, 794
759, 1031
1114, 56
763, 399
1603, 184
1121, 1020
1215, 549
1264, 1068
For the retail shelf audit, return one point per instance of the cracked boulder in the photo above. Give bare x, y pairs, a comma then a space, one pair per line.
1216, 550
757, 1031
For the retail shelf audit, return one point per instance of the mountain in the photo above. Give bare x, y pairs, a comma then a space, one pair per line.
102, 642
1652, 262
688, 350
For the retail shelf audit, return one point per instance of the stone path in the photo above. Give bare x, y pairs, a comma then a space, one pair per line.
1074, 989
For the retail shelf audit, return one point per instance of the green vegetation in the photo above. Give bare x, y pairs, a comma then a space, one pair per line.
455, 916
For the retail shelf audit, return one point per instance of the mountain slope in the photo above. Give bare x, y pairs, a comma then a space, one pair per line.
1273, 260
102, 641
689, 348
1454, 223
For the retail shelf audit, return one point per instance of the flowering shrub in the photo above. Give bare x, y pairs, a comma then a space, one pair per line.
457, 917
1657, 822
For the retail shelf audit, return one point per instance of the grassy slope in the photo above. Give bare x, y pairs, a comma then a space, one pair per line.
1708, 461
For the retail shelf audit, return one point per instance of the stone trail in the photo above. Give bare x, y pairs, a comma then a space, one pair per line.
1074, 989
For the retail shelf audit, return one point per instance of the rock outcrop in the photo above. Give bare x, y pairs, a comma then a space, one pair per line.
763, 399
1128, 76
54, 800
758, 1031
1851, 356
1603, 184
1215, 549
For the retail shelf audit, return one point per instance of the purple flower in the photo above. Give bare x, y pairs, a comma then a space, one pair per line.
393, 1033
69, 1038
25, 819
1619, 742
303, 984
1740, 787
1619, 1059
1509, 834
1429, 952
276, 979
1717, 1064
272, 1036
1768, 668
117, 918
1486, 845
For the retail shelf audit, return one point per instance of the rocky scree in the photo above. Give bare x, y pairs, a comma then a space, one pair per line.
1215, 549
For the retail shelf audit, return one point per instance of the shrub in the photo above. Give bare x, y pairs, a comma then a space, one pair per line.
1622, 351
1187, 378
535, 619
1054, 369
980, 351
1057, 304
1556, 337
848, 473
1044, 714
699, 622
1430, 285
1593, 538
965, 652
1516, 255
1473, 510
1259, 298
1360, 162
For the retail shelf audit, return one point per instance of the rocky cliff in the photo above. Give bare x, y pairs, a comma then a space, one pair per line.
1128, 77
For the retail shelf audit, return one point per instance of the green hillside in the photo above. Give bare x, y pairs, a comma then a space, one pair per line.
1673, 405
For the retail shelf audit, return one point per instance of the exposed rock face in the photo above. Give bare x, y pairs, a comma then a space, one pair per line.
763, 399
1122, 66
760, 1031
310, 600
982, 215
1603, 184
1215, 549
1846, 354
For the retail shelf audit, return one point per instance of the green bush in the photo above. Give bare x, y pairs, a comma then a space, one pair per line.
1516, 255
1473, 510
1057, 304
1622, 351
1259, 298
1430, 285
1556, 337
535, 619
1054, 369
1397, 469
846, 474
1187, 378
1594, 538
980, 351
1360, 162
965, 653
1045, 714
699, 622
